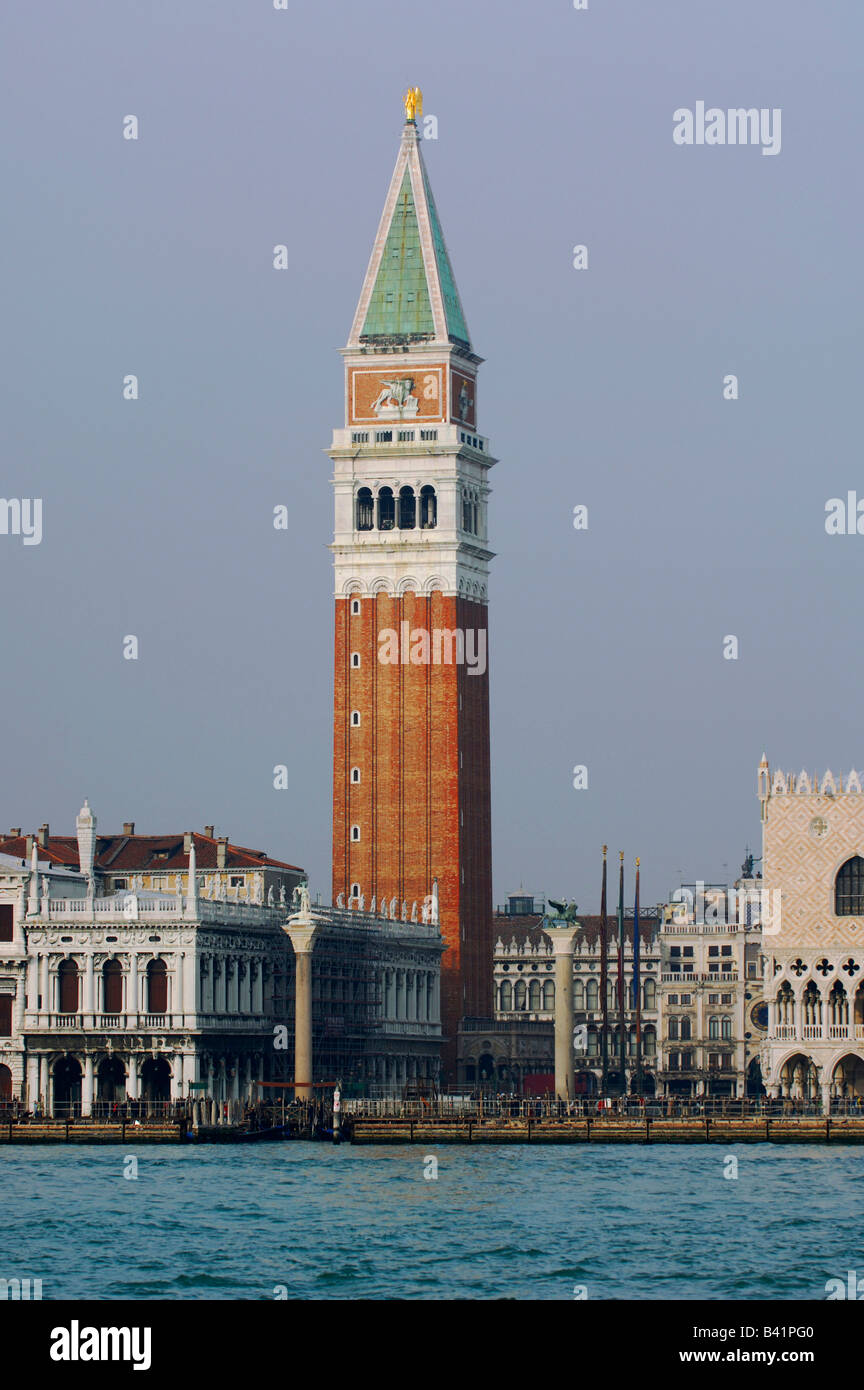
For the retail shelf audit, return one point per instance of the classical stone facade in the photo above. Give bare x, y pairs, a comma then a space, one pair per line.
813, 870
712, 1017
369, 1003
514, 1049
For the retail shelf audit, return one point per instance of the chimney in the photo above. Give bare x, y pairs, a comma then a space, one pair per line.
208, 831
221, 851
187, 841
43, 835
128, 827
29, 843
15, 832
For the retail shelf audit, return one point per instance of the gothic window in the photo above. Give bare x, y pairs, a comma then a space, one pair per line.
157, 987
673, 1027
849, 889
112, 987
578, 995
714, 1027
466, 513
726, 1028
591, 995
519, 995
649, 994
650, 1041
386, 509
407, 509
548, 995
67, 980
506, 996
534, 996
365, 514
428, 509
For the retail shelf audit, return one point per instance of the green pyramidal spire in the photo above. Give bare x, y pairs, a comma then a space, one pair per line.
410, 293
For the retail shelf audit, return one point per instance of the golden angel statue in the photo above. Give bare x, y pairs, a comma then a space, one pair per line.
413, 103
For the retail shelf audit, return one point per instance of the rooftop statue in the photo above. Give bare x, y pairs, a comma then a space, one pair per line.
413, 103
565, 911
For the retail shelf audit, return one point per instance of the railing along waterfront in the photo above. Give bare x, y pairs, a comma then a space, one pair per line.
468, 1107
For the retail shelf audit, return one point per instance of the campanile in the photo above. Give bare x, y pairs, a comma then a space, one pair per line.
411, 785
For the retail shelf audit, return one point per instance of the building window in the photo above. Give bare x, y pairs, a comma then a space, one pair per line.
506, 996
112, 987
67, 981
673, 1028
157, 987
849, 889
519, 995
365, 513
534, 996
548, 995
355, 719
6, 1015
355, 774
121, 883
726, 1028
591, 999
7, 921
386, 509
355, 660
355, 832
428, 509
407, 509
355, 607
355, 890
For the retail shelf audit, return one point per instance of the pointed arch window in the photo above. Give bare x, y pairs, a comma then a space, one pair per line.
849, 888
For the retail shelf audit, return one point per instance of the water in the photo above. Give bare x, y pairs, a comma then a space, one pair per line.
219, 1222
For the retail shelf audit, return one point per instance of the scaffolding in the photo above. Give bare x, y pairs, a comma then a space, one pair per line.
346, 1005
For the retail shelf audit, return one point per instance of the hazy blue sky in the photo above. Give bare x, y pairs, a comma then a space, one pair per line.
602, 387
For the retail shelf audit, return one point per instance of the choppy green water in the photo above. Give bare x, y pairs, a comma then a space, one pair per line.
322, 1222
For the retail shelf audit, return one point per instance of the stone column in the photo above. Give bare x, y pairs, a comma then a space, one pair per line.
32, 1081
132, 1084
87, 1085
301, 930
132, 988
44, 983
562, 939
89, 990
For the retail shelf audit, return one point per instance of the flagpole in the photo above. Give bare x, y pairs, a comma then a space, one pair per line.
637, 988
622, 994
604, 1003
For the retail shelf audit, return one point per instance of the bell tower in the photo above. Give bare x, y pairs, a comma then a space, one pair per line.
411, 785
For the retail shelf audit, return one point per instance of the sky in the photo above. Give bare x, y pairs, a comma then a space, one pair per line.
601, 387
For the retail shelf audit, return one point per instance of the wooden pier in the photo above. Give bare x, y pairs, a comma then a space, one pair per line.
92, 1132
579, 1130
